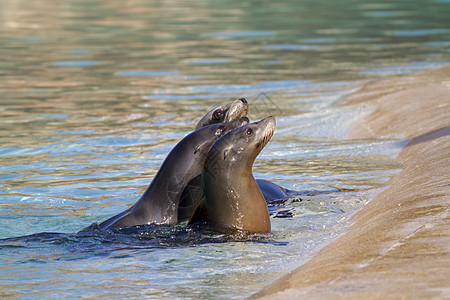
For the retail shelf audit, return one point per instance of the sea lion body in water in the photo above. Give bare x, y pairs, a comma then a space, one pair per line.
159, 203
272, 191
232, 196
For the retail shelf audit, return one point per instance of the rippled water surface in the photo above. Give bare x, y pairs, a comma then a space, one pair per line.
94, 94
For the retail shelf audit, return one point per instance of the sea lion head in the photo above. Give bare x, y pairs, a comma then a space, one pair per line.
242, 145
203, 138
225, 113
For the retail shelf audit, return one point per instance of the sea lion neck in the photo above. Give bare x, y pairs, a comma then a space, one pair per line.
234, 200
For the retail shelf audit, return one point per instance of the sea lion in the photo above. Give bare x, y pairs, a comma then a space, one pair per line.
159, 203
272, 191
232, 196
225, 113
193, 192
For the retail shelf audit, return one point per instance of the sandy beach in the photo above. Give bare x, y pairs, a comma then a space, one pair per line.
398, 245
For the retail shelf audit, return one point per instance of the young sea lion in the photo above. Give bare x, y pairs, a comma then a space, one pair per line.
232, 196
159, 203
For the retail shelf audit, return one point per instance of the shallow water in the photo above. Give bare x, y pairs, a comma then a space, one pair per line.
93, 95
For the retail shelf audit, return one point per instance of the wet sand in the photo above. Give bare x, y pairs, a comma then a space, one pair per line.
398, 245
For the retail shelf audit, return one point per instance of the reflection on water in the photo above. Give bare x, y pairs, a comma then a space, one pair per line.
94, 94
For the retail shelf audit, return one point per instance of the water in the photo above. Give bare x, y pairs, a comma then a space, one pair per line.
94, 94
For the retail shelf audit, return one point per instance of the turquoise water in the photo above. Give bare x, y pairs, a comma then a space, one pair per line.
94, 94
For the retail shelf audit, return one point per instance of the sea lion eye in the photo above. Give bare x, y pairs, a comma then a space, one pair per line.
248, 132
218, 114
220, 130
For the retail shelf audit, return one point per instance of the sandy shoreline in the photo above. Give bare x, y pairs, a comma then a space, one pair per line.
399, 243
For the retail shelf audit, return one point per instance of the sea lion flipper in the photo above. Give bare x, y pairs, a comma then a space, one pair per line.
200, 214
190, 197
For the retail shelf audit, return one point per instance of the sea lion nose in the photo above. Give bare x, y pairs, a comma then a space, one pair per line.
243, 100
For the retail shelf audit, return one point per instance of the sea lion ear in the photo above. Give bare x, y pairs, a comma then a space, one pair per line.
197, 149
225, 153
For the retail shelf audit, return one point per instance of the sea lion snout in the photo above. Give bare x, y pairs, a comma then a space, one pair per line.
227, 127
238, 108
266, 128
243, 121
269, 122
